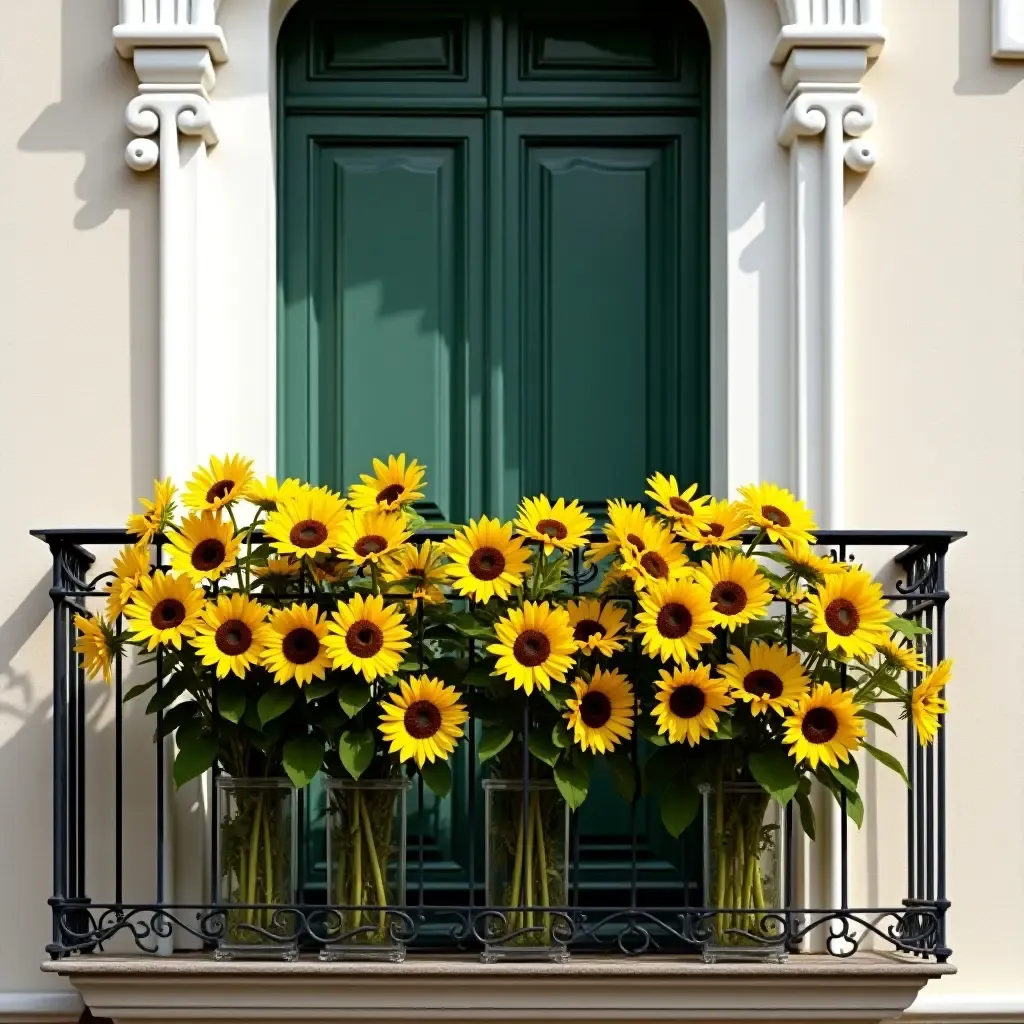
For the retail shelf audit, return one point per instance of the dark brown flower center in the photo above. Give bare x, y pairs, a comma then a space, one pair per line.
636, 541
420, 574
682, 506
233, 637
674, 621
364, 638
819, 725
371, 544
654, 565
531, 648
714, 529
308, 534
219, 491
687, 701
842, 617
763, 683
586, 628
487, 564
422, 719
552, 528
208, 554
167, 614
775, 515
729, 598
301, 646
332, 565
390, 494
595, 709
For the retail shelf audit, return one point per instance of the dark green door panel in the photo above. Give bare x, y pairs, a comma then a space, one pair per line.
390, 250
493, 258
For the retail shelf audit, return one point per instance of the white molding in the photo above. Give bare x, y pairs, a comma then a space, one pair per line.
940, 1008
809, 988
40, 1007
169, 23
1008, 29
829, 24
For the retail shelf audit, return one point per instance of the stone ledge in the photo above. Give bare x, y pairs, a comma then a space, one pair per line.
866, 988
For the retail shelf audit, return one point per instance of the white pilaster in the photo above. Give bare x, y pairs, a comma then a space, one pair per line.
1008, 29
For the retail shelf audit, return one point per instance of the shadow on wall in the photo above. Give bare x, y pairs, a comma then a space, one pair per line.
96, 86
978, 73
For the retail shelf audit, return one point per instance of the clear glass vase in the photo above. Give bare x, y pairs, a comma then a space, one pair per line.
526, 869
366, 869
257, 858
743, 870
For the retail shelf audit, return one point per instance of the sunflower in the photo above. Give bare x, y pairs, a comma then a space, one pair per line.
625, 524
233, 634
652, 555
906, 659
393, 486
129, 567
615, 583
164, 609
679, 506
367, 636
777, 512
802, 557
423, 720
294, 645
424, 565
719, 525
369, 537
602, 713
268, 494
737, 590
676, 619
535, 645
96, 645
487, 561
156, 514
331, 569
824, 726
926, 702
558, 526
768, 678
203, 547
850, 611
221, 483
307, 524
688, 702
597, 628
277, 568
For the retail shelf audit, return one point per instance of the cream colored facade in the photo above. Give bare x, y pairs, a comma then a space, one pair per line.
932, 426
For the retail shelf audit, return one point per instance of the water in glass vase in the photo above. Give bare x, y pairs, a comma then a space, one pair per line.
743, 871
526, 871
257, 857
366, 870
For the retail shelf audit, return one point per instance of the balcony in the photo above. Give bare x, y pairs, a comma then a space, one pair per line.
635, 919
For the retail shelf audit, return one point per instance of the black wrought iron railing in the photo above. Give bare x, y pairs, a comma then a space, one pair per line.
623, 898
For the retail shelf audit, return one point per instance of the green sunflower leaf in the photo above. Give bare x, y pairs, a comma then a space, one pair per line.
438, 777
888, 760
493, 740
573, 782
231, 696
558, 694
680, 804
176, 717
847, 775
168, 693
803, 801
321, 688
302, 758
356, 751
661, 768
194, 757
648, 730
874, 716
275, 702
776, 772
623, 776
561, 736
543, 747
353, 696
855, 809
907, 627
138, 691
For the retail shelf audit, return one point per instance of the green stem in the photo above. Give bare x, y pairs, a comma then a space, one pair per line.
357, 858
528, 861
378, 881
720, 857
254, 849
517, 875
758, 886
759, 536
739, 866
248, 549
542, 865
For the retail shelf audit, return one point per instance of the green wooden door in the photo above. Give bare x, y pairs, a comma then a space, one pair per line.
493, 257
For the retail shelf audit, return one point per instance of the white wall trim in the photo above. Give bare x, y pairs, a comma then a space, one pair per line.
940, 1008
1008, 29
40, 1007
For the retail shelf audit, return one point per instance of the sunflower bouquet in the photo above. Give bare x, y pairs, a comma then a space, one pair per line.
698, 650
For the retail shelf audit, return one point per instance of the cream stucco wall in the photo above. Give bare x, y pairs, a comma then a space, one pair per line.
935, 288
